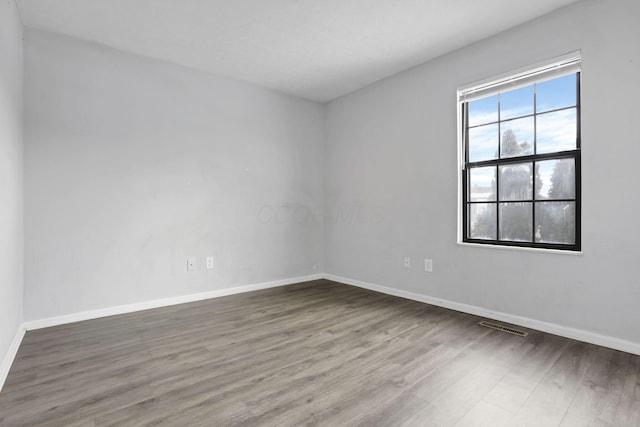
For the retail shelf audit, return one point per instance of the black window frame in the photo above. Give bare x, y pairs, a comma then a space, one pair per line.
533, 158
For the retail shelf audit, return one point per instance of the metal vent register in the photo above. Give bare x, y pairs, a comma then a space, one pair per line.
503, 328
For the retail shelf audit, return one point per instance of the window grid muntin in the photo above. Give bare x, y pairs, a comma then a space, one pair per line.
523, 116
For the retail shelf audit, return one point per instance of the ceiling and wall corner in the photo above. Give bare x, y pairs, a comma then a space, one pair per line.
317, 50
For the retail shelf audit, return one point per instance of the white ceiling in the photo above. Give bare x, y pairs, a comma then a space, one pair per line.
314, 49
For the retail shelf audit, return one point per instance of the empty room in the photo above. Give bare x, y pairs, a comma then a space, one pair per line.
333, 213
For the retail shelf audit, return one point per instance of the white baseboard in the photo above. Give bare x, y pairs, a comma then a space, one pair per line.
7, 361
564, 331
568, 332
129, 308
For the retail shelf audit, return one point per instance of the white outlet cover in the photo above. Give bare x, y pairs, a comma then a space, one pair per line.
191, 264
406, 262
209, 263
428, 265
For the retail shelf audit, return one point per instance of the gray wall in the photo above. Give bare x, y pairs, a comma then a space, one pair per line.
11, 231
391, 179
132, 165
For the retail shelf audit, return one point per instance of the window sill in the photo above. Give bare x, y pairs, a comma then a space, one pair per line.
521, 248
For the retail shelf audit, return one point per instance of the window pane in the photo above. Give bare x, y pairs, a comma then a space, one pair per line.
482, 185
516, 103
556, 179
483, 143
516, 221
556, 222
516, 182
556, 93
482, 221
483, 111
556, 131
517, 137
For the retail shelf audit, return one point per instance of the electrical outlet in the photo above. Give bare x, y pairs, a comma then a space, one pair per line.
191, 264
428, 265
406, 262
209, 263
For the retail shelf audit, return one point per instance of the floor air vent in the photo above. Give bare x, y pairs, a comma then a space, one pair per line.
499, 327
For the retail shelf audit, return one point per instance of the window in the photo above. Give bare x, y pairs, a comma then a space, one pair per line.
521, 159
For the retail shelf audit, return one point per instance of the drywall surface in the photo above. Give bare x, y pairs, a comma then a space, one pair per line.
391, 179
11, 230
132, 165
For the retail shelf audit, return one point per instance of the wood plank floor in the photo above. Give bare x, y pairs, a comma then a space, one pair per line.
317, 353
